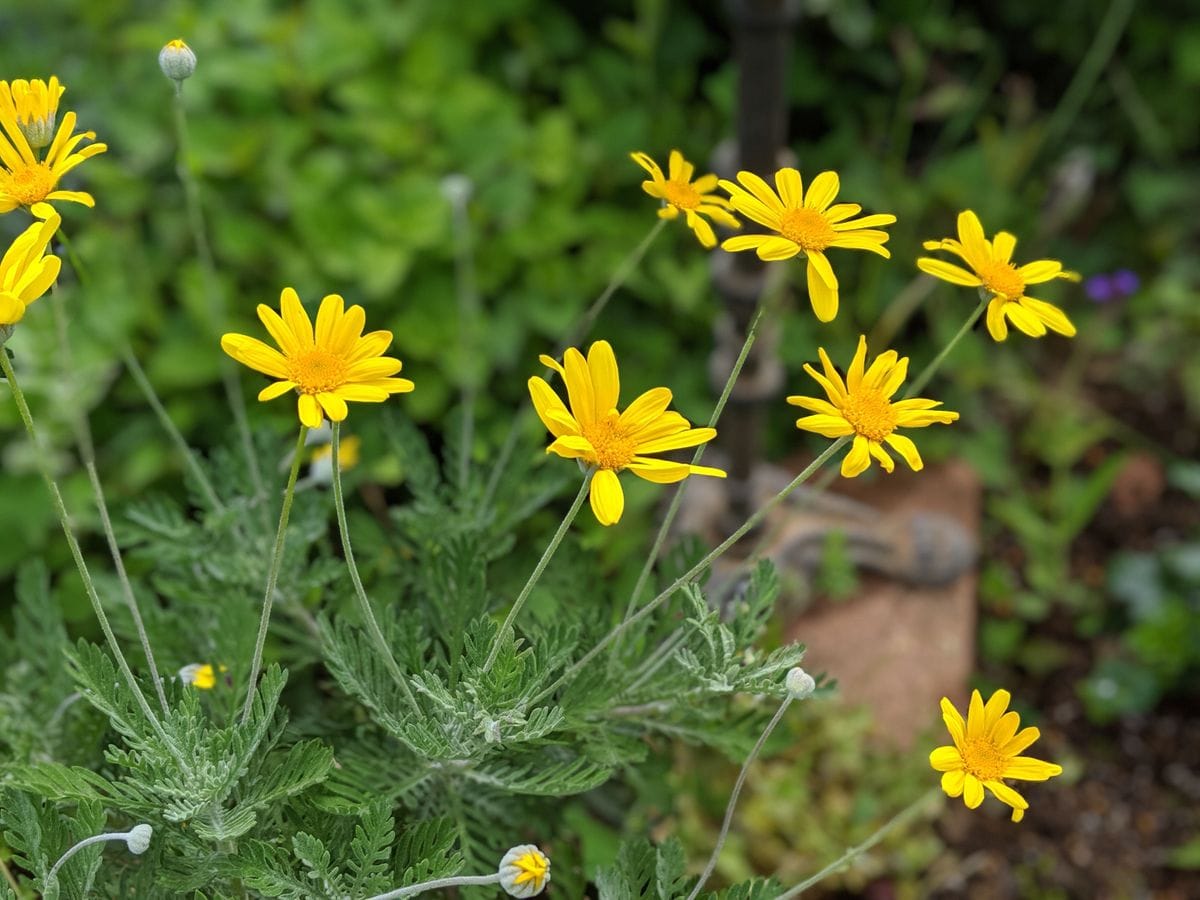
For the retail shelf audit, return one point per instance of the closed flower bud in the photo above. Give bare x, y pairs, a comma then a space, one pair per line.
800, 684
138, 839
524, 871
177, 60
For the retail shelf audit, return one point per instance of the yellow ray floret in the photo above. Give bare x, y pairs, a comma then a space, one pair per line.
680, 194
986, 752
594, 432
28, 110
328, 366
27, 270
805, 223
862, 406
992, 269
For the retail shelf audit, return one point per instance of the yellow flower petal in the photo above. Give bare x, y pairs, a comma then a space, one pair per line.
775, 249
996, 325
822, 191
948, 272
295, 317
858, 459
830, 426
972, 791
606, 496
1039, 271
907, 450
310, 411
822, 296
550, 408
954, 782
1053, 317
790, 187
278, 389
946, 759
975, 246
1026, 768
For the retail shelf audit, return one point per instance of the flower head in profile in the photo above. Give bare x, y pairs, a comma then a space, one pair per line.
27, 270
28, 112
805, 223
200, 675
992, 269
680, 194
986, 752
862, 406
602, 438
326, 367
524, 871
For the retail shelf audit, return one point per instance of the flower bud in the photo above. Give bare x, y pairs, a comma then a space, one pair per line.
139, 839
524, 871
800, 685
177, 60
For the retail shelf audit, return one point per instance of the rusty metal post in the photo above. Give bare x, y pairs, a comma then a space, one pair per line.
762, 47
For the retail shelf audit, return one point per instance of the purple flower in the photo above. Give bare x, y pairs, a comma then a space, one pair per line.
1116, 285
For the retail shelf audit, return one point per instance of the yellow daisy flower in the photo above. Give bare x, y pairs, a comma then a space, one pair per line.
862, 406
805, 223
348, 454
694, 199
594, 432
28, 110
992, 269
27, 271
327, 367
985, 752
200, 675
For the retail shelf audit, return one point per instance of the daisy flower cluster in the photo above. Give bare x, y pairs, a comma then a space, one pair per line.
327, 362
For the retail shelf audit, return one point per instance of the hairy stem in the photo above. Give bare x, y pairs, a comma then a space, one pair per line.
737, 791
624, 269
216, 306
456, 881
87, 450
364, 603
930, 370
901, 818
677, 500
538, 570
695, 571
64, 519
273, 575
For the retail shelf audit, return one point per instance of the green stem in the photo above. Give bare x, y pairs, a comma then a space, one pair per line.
369, 616
68, 532
737, 791
273, 575
114, 549
695, 571
139, 375
901, 818
360, 592
930, 370
538, 570
624, 269
437, 883
677, 500
87, 450
468, 323
216, 307
1104, 42
164, 419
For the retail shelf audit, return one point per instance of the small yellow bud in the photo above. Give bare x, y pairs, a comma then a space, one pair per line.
524, 871
177, 60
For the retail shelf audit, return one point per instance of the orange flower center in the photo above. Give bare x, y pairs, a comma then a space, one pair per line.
983, 759
806, 227
317, 371
614, 446
28, 184
681, 194
870, 413
1002, 278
